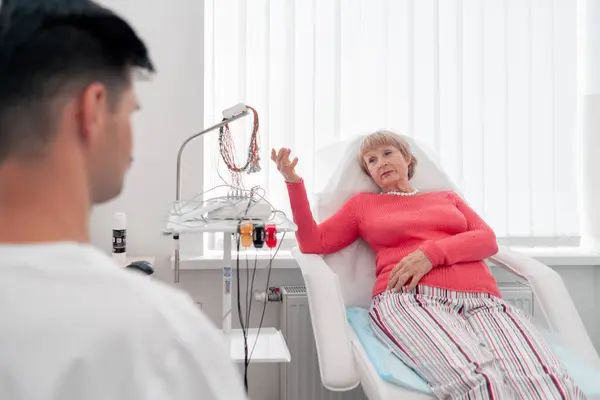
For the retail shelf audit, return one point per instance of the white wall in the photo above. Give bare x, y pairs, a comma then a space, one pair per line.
172, 110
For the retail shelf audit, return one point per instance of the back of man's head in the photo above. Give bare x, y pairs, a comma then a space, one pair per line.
66, 80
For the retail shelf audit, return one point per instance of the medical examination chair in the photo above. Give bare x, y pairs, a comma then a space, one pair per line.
340, 284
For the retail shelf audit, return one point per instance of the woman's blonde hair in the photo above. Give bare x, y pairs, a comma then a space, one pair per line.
387, 138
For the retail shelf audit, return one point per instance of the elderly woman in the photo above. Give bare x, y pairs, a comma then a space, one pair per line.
435, 302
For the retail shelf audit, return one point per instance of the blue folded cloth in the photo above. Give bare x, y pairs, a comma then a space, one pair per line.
392, 370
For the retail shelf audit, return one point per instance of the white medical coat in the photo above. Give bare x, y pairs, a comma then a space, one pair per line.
75, 326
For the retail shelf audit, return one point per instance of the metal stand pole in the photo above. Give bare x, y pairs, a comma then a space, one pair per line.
227, 278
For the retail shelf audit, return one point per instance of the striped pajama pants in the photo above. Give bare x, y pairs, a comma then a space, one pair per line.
470, 345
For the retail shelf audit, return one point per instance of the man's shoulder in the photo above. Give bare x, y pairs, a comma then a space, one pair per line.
84, 284
143, 308
150, 301
109, 321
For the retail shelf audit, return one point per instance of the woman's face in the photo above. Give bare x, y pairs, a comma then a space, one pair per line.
387, 166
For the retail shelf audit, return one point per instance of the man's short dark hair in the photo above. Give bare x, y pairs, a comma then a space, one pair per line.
51, 49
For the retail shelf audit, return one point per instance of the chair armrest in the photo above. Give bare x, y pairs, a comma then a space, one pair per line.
554, 300
330, 327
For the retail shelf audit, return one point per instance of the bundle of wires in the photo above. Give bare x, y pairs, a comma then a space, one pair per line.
245, 322
252, 165
227, 150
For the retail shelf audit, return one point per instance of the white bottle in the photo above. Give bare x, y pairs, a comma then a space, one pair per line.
119, 239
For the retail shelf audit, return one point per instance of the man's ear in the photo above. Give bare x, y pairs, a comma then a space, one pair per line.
93, 107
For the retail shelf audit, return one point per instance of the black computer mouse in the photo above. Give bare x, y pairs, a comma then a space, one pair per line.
142, 266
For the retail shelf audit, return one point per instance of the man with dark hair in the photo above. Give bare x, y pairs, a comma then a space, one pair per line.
73, 325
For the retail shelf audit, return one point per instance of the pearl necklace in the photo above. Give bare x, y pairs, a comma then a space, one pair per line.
396, 193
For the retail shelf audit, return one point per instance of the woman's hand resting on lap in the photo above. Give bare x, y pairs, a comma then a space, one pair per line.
284, 165
412, 268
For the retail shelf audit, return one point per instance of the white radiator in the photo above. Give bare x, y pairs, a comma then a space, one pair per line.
301, 379
519, 295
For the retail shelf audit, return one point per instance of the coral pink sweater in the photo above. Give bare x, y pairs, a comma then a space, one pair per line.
454, 238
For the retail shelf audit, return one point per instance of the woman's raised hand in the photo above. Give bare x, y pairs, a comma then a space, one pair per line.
285, 167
